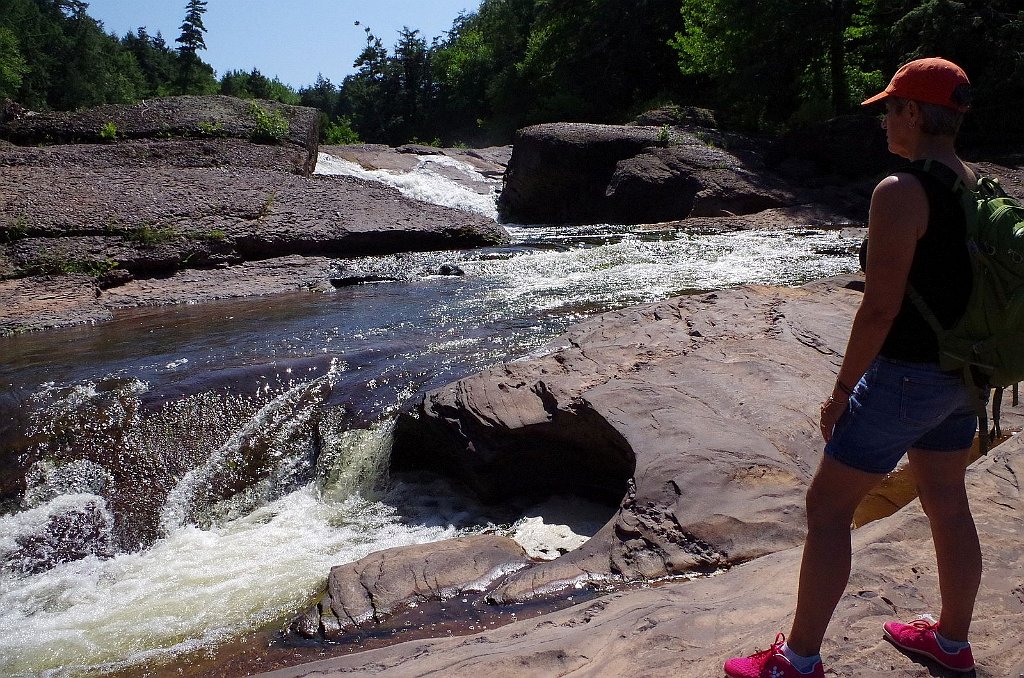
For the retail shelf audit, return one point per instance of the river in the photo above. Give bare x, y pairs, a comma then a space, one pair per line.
196, 470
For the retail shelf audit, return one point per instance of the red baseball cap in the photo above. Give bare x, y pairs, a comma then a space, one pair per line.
933, 81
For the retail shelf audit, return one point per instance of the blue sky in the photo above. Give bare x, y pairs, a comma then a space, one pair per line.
291, 39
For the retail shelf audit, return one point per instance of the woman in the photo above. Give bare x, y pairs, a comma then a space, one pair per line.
891, 397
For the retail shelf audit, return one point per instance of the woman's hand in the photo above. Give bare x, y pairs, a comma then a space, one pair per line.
831, 411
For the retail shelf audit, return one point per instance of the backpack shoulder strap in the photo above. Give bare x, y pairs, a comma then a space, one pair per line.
945, 175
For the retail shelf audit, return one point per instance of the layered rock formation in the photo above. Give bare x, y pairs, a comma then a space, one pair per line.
172, 118
370, 590
688, 629
183, 188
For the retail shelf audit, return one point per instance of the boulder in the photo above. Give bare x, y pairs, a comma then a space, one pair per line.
120, 217
586, 173
710, 402
672, 115
703, 409
366, 592
559, 172
691, 180
69, 528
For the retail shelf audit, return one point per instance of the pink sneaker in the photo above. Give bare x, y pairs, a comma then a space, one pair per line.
770, 663
918, 637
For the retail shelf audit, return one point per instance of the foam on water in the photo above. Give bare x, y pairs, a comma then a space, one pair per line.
557, 526
431, 181
637, 268
193, 589
197, 587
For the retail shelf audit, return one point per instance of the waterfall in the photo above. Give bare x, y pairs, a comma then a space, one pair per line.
437, 179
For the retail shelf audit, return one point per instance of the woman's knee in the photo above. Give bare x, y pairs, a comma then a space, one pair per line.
945, 504
823, 511
835, 493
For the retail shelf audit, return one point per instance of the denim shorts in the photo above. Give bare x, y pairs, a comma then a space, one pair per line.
901, 405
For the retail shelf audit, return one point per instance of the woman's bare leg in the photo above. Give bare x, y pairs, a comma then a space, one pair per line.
940, 485
834, 495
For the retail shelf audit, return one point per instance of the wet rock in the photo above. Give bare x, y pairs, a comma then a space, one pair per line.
367, 591
69, 528
48, 301
114, 224
450, 269
490, 162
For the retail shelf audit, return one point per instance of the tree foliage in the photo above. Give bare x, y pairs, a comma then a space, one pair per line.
255, 85
193, 32
12, 64
776, 62
515, 62
53, 55
762, 64
193, 74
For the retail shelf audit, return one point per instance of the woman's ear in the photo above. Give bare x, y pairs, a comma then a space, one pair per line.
913, 112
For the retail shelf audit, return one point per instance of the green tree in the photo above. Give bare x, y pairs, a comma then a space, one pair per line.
194, 76
255, 85
12, 64
767, 59
157, 62
414, 85
192, 38
371, 93
463, 67
598, 59
96, 69
888, 33
490, 45
322, 95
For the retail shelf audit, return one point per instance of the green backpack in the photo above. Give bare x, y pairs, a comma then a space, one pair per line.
987, 342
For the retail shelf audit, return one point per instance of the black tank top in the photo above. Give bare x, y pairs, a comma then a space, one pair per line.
940, 272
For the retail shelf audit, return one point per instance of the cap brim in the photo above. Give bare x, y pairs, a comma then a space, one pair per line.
875, 99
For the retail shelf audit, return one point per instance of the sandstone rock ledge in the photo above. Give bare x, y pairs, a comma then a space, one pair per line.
709, 408
184, 206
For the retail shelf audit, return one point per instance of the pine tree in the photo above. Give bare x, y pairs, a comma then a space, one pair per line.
192, 29
195, 77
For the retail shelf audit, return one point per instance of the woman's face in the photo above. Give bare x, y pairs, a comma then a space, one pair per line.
900, 127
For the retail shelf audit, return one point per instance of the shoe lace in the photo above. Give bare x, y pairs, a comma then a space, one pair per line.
776, 648
925, 624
